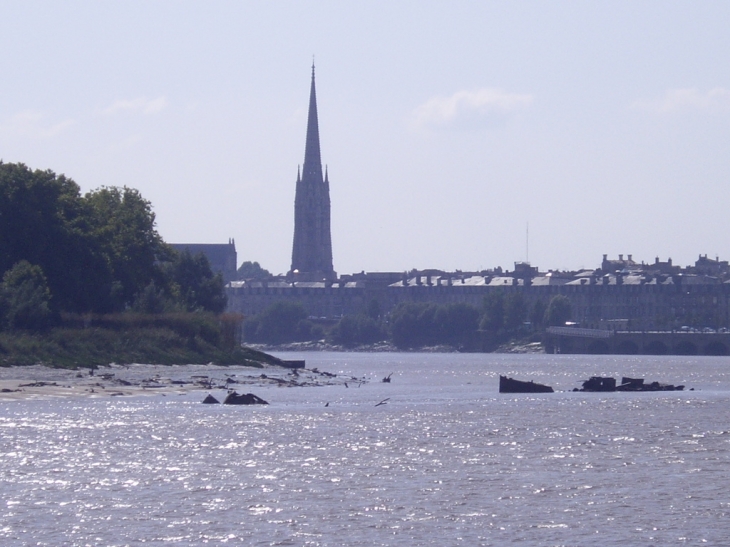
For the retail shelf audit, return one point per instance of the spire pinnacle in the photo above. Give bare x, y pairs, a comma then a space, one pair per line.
312, 159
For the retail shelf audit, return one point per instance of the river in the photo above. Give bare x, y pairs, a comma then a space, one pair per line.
435, 457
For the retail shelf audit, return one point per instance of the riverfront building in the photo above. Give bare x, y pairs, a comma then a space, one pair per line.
620, 294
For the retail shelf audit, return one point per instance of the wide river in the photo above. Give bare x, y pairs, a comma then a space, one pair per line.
445, 460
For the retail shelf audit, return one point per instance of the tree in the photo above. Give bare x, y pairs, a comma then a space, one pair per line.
44, 221
25, 298
492, 312
537, 314
123, 225
192, 285
353, 330
281, 322
373, 310
252, 270
407, 327
420, 324
515, 311
456, 323
97, 252
558, 311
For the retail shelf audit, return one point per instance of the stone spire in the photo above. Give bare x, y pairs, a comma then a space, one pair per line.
312, 248
312, 158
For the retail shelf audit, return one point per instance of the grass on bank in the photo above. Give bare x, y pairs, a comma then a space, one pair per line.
167, 339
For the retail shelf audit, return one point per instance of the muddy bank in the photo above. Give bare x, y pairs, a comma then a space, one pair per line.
39, 381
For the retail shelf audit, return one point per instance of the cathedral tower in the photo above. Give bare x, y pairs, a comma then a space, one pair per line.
312, 250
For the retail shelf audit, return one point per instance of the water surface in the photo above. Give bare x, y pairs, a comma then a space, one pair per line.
445, 460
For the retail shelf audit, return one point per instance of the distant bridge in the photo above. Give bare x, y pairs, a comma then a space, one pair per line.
594, 341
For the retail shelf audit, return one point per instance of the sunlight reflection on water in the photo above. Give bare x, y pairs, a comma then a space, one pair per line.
446, 461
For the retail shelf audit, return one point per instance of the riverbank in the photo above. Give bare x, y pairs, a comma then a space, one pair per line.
383, 347
42, 382
165, 339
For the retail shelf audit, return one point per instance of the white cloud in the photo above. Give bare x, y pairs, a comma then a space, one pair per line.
140, 104
31, 123
715, 100
470, 108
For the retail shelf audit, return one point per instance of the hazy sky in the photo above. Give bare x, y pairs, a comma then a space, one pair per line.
447, 126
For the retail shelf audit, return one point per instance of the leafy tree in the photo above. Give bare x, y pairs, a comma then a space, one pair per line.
353, 330
492, 312
413, 324
537, 314
558, 311
44, 220
152, 300
252, 270
192, 284
123, 225
99, 252
282, 322
373, 310
420, 324
25, 298
515, 311
455, 323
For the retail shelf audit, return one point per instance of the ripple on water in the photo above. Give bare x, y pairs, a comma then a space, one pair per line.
463, 467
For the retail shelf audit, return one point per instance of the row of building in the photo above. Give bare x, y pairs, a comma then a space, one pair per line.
620, 294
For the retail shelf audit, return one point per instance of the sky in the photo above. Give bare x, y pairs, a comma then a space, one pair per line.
457, 135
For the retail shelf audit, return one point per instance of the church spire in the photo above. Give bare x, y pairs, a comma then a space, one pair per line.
312, 248
312, 158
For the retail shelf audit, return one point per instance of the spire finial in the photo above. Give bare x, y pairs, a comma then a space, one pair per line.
312, 66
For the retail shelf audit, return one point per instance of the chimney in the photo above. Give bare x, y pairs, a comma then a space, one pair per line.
621, 258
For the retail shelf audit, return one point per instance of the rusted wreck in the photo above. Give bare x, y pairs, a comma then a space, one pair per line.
510, 385
599, 383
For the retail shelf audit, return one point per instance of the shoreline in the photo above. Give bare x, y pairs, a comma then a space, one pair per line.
43, 382
386, 347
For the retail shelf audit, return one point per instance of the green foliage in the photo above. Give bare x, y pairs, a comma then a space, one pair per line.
123, 227
355, 330
25, 298
373, 310
44, 220
558, 311
410, 324
252, 270
455, 323
492, 312
421, 324
282, 322
98, 253
132, 338
194, 287
537, 314
152, 300
515, 311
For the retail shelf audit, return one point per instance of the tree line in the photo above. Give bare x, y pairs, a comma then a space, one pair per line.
62, 251
500, 318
